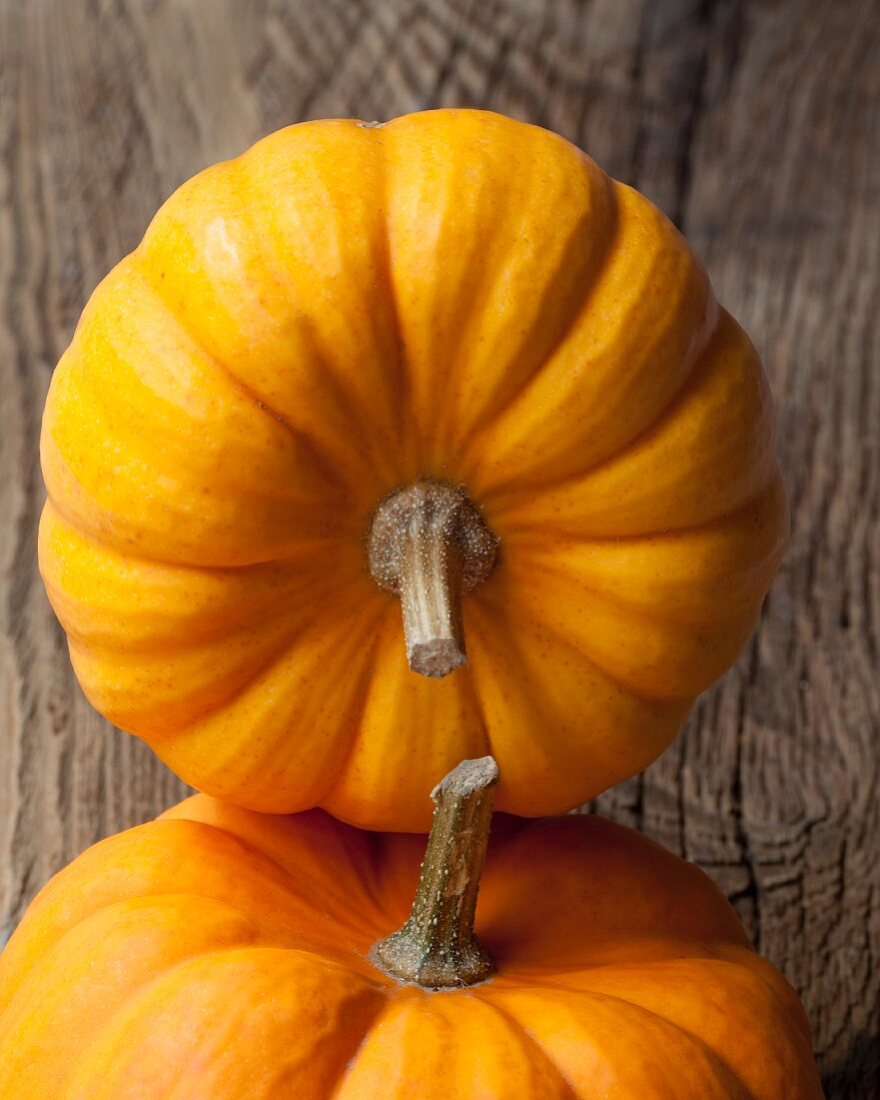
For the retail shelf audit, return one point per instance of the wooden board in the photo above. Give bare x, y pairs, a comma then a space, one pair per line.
755, 125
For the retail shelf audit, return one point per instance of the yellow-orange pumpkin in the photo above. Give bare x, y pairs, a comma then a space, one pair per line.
221, 954
345, 311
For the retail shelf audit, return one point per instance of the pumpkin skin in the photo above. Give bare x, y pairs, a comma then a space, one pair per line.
222, 954
338, 312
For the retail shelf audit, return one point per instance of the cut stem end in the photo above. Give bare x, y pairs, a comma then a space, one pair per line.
436, 658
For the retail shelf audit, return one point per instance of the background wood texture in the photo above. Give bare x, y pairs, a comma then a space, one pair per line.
756, 126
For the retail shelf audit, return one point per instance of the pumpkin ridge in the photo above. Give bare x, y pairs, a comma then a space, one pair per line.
727, 957
628, 686
153, 647
645, 718
336, 789
81, 382
545, 564
56, 884
782, 992
151, 898
369, 872
671, 533
401, 374
694, 354
480, 423
305, 548
528, 1040
698, 359
285, 874
489, 204
306, 545
138, 729
609, 240
728, 1077
186, 706
264, 668
740, 959
133, 1003
140, 267
399, 385
391, 999
702, 363
546, 627
111, 1020
322, 951
290, 887
302, 438
304, 944
130, 902
347, 1063
329, 789
217, 706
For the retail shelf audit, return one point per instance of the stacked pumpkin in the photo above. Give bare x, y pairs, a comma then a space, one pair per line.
392, 447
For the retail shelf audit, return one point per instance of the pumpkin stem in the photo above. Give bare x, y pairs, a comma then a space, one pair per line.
429, 545
436, 947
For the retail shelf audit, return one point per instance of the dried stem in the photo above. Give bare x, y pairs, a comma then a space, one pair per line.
429, 545
436, 947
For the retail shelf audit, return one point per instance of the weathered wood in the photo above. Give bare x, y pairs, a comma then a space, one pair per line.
756, 127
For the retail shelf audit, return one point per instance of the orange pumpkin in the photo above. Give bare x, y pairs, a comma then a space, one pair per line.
226, 955
444, 363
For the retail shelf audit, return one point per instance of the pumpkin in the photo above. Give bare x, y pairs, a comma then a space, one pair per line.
391, 446
226, 955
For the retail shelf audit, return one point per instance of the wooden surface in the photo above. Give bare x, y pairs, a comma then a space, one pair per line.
755, 125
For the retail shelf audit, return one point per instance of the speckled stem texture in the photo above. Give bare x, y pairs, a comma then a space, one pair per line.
429, 545
436, 947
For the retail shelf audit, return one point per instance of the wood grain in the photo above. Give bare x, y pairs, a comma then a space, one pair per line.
756, 125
